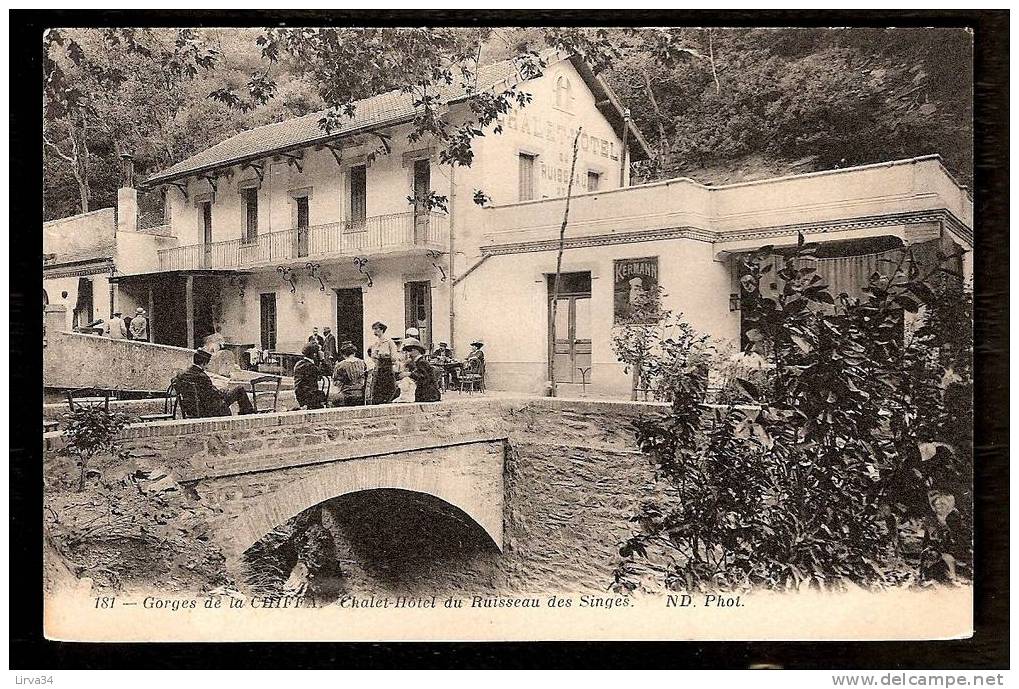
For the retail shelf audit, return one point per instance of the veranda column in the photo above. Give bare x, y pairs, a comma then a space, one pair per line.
189, 309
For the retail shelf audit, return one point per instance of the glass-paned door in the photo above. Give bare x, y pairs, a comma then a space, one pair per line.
419, 310
571, 352
422, 189
302, 225
207, 232
268, 321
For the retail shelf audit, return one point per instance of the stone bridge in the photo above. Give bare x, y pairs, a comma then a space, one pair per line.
552, 482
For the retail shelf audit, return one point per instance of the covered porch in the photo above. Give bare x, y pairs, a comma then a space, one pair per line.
183, 306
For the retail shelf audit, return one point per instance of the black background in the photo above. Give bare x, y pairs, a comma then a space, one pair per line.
987, 649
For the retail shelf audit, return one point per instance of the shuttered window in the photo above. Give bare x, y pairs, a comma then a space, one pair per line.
593, 179
526, 177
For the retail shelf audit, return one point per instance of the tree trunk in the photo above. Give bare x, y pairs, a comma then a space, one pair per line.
79, 164
559, 261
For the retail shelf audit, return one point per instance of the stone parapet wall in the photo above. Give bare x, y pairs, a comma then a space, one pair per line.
76, 360
552, 481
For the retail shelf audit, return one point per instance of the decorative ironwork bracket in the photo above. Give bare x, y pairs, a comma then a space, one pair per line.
337, 152
211, 179
294, 159
240, 282
315, 270
288, 276
259, 170
361, 263
182, 187
435, 256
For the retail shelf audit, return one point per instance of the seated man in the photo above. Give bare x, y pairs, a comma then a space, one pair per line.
209, 400
442, 353
349, 377
307, 373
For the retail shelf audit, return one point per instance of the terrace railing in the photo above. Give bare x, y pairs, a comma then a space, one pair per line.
377, 234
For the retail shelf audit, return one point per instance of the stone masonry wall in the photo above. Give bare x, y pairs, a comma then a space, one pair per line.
552, 481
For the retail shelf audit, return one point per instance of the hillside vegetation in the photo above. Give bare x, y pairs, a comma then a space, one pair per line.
717, 105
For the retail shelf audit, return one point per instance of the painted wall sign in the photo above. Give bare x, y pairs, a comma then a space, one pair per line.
630, 277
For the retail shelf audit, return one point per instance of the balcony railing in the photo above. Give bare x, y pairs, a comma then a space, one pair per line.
377, 234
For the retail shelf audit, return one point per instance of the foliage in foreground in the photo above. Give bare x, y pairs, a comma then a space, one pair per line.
863, 433
90, 431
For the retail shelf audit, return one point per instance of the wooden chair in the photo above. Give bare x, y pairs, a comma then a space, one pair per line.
186, 399
170, 403
473, 378
264, 387
77, 398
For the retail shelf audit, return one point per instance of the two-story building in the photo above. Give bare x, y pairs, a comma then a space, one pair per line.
284, 228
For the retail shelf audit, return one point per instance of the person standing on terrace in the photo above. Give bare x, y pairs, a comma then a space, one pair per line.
383, 351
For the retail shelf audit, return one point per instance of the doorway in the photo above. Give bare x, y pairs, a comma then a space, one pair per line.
207, 232
422, 190
570, 354
267, 321
350, 318
302, 225
418, 301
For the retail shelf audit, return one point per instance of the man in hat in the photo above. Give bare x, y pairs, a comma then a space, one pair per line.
306, 378
196, 389
442, 352
349, 377
329, 349
115, 328
139, 325
421, 372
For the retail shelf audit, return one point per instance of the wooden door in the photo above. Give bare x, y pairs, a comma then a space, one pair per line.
350, 318
422, 190
268, 321
302, 225
418, 302
207, 232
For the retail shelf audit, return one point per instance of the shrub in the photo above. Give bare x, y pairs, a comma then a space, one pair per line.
659, 349
858, 430
91, 431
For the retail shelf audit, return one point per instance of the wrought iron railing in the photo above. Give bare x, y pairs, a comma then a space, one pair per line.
348, 238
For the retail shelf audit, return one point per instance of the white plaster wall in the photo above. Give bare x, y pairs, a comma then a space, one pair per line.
55, 287
298, 312
504, 303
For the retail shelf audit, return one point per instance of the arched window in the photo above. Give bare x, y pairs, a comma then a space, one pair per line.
562, 93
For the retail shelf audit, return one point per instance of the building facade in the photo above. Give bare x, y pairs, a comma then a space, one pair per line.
282, 229
285, 228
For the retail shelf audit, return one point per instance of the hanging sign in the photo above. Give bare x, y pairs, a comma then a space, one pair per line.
631, 277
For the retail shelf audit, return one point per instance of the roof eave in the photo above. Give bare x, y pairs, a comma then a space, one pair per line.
366, 129
597, 84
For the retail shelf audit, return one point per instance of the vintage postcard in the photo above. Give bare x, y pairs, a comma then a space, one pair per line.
500, 333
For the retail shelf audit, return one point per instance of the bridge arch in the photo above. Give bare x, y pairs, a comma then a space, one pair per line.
478, 493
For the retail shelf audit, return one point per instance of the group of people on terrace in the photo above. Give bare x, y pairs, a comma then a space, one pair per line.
121, 327
395, 370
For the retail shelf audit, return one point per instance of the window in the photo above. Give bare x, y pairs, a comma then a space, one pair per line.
526, 176
358, 194
593, 179
562, 93
250, 197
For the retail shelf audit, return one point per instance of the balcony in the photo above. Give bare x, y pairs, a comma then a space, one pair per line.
375, 235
